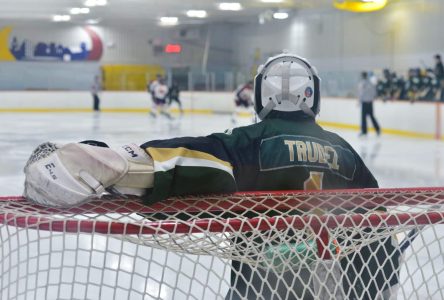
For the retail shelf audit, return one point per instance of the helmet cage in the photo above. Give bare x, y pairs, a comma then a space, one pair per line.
286, 83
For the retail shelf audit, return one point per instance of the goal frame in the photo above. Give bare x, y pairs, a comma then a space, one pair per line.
227, 227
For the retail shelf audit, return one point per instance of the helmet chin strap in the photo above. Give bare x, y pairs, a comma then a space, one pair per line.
271, 104
307, 110
266, 110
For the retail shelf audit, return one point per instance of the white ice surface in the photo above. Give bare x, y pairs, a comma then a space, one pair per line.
395, 162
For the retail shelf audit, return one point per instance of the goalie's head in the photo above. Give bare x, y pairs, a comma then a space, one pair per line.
286, 85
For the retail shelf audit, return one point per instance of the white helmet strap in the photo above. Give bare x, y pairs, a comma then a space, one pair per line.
285, 81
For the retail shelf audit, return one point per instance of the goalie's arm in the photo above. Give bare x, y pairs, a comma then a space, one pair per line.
71, 174
189, 165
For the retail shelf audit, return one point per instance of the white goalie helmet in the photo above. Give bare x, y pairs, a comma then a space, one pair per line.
286, 83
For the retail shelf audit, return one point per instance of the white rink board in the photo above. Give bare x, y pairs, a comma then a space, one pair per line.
214, 101
395, 115
401, 115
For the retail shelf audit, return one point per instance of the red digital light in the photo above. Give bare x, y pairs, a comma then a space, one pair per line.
173, 48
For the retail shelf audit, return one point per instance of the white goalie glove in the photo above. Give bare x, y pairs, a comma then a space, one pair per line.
68, 175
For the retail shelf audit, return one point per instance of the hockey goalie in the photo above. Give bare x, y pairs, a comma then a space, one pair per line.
285, 150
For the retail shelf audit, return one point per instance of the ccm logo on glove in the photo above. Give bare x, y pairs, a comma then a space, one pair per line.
50, 167
130, 151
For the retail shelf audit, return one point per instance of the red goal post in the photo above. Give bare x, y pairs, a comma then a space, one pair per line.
323, 233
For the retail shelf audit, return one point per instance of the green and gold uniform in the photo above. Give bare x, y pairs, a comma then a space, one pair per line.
275, 154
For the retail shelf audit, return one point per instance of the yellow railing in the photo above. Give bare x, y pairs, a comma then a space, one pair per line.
129, 77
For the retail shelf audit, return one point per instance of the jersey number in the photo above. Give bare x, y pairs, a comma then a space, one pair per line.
314, 182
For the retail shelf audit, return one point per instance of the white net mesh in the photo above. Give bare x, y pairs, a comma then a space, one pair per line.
356, 244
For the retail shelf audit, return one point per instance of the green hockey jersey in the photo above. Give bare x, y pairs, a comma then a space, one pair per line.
275, 154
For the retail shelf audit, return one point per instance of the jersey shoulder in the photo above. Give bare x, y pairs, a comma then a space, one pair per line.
363, 177
335, 138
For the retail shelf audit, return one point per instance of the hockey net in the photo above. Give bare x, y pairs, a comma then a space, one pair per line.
343, 244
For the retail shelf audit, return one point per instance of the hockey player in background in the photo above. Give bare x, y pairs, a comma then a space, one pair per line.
152, 84
160, 94
95, 90
285, 150
173, 95
243, 100
151, 87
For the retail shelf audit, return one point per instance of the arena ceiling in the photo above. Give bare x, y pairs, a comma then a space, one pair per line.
148, 11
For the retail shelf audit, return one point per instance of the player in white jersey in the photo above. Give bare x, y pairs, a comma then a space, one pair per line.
152, 84
159, 95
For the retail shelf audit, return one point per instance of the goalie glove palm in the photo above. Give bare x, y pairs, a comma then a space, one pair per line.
71, 174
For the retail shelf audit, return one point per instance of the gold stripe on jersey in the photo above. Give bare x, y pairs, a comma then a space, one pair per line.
167, 154
164, 154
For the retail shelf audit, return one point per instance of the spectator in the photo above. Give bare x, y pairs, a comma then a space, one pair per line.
385, 86
400, 88
439, 74
413, 84
435, 86
427, 92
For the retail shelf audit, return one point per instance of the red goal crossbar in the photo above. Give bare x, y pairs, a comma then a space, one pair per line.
272, 210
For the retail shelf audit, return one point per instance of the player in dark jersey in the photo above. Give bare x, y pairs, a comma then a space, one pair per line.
173, 95
285, 150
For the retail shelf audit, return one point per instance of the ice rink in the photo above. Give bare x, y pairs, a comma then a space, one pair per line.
395, 162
